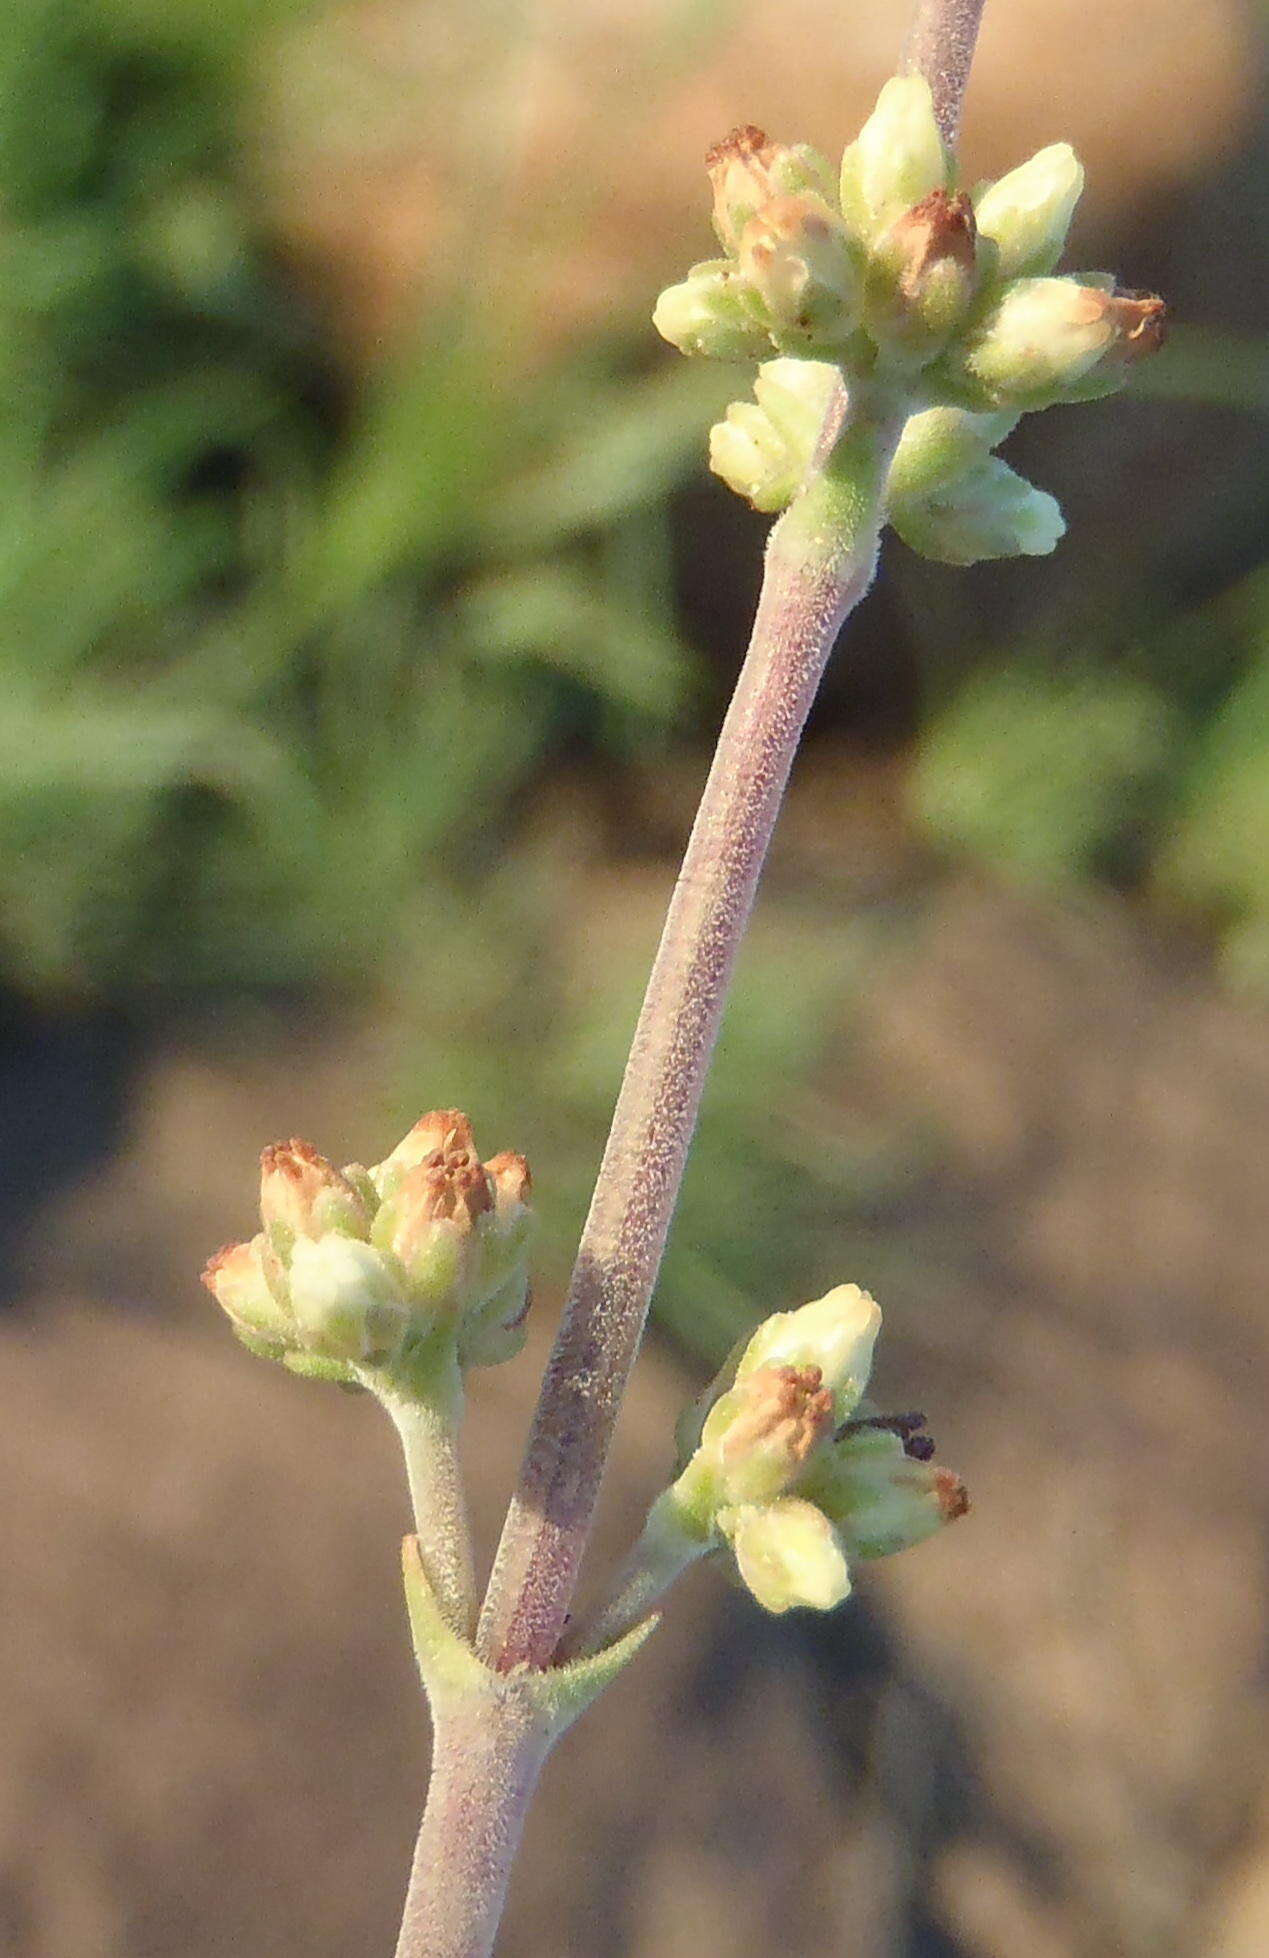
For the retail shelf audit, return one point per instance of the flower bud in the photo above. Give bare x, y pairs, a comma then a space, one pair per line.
796, 255
712, 313
788, 1554
302, 1195
940, 444
759, 1437
836, 1334
879, 1498
923, 275
762, 449
897, 159
1051, 340
989, 512
747, 172
1027, 214
446, 1130
236, 1278
347, 1301
428, 1224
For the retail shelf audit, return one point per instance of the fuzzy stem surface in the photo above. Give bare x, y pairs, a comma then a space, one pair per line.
819, 563
940, 46
487, 1754
428, 1430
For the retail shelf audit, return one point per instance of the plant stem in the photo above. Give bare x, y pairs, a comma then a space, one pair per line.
428, 1427
658, 1560
487, 1753
819, 563
940, 46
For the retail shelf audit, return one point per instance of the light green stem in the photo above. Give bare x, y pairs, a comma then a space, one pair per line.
428, 1426
660, 1557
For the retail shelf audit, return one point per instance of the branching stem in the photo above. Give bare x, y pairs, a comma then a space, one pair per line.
819, 563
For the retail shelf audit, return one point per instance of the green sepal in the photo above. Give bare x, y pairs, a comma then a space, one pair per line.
315, 1366
451, 1671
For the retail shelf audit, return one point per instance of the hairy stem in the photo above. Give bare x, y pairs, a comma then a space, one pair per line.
664, 1551
819, 563
487, 1753
428, 1427
940, 46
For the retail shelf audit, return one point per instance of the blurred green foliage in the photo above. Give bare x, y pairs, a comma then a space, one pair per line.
276, 654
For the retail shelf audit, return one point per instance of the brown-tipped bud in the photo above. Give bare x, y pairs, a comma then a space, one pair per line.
951, 1495
449, 1186
303, 1195
1051, 340
881, 1495
511, 1177
924, 274
444, 1129
236, 1278
746, 172
758, 1438
797, 256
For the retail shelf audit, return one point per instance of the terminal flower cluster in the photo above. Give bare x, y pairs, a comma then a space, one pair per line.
358, 1268
939, 301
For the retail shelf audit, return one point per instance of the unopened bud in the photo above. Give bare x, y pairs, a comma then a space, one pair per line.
836, 1334
762, 449
1051, 340
939, 445
444, 1130
880, 1498
989, 512
759, 1437
923, 275
303, 1195
712, 313
347, 1300
788, 1554
897, 159
796, 255
747, 172
1027, 214
236, 1278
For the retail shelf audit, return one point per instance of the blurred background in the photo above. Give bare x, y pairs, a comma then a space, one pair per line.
366, 615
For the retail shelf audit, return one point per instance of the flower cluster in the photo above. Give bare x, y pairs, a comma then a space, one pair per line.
357, 1268
783, 1463
890, 277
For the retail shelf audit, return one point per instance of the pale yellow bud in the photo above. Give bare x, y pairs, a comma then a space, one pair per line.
1051, 340
796, 256
989, 512
897, 159
303, 1195
1027, 214
712, 313
759, 1437
746, 172
788, 1554
347, 1300
236, 1278
836, 1334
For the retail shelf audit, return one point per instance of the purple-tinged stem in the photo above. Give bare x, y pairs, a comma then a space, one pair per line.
487, 1754
820, 561
940, 46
